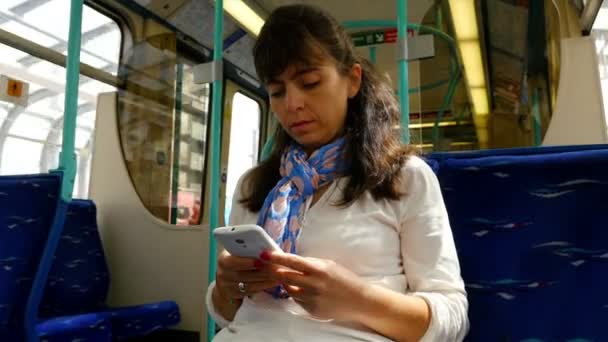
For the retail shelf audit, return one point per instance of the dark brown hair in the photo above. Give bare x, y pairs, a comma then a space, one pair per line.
298, 34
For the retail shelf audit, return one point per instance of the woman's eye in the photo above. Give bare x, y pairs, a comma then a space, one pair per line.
311, 85
276, 93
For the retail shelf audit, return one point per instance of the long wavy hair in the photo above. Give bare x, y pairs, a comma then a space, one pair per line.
298, 34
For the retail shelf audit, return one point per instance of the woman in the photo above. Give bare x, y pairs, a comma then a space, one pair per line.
371, 254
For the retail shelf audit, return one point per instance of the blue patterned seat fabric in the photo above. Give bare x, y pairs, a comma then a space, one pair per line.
143, 319
531, 230
79, 280
94, 327
27, 209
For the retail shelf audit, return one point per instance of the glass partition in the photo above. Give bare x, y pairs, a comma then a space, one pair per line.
495, 85
162, 116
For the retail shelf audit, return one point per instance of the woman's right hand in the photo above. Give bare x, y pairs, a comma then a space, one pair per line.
232, 270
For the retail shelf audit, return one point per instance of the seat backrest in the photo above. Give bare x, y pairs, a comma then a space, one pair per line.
531, 230
78, 280
27, 209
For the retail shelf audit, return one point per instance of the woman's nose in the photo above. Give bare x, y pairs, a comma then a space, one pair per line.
294, 100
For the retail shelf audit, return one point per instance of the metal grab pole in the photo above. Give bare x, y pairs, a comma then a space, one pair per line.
372, 54
403, 71
214, 193
67, 158
536, 117
67, 170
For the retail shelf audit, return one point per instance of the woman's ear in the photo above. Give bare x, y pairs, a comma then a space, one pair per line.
354, 78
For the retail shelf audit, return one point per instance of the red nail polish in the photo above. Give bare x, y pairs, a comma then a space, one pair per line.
265, 255
258, 264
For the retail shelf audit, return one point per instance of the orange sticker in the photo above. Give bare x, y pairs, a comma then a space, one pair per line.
15, 88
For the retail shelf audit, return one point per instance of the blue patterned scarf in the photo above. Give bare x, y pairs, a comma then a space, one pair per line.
286, 205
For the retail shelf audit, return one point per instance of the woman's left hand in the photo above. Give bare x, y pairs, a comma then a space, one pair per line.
322, 287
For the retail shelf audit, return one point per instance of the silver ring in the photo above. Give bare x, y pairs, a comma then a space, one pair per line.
242, 288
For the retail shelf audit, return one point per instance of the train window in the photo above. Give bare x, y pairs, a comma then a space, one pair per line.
47, 23
600, 34
30, 134
244, 142
162, 122
186, 189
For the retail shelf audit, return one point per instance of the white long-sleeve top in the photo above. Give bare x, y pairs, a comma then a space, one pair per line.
404, 245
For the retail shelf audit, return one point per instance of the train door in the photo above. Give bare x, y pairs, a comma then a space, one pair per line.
147, 176
242, 133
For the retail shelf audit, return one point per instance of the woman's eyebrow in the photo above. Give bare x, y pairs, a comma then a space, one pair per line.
302, 71
295, 75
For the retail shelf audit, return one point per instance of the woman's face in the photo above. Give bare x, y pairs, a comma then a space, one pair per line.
310, 101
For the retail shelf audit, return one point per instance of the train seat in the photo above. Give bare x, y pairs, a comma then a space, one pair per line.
95, 327
530, 227
27, 208
79, 280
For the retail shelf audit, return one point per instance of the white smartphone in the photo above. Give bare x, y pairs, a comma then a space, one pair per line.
246, 241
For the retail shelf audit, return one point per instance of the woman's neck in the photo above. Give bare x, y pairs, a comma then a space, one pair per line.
309, 150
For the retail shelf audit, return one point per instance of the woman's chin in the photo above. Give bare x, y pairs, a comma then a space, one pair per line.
309, 144
305, 140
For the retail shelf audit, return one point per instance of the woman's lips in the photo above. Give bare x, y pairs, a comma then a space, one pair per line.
300, 125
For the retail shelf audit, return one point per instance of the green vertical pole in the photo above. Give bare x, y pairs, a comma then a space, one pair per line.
403, 71
67, 170
372, 54
179, 76
67, 157
267, 148
536, 114
438, 17
216, 129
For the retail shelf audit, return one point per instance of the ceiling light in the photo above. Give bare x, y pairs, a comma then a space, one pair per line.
473, 65
465, 20
441, 124
479, 97
244, 15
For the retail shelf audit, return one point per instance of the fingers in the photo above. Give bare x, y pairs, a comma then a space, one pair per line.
293, 261
299, 275
234, 263
252, 288
295, 278
253, 273
297, 293
245, 276
232, 289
